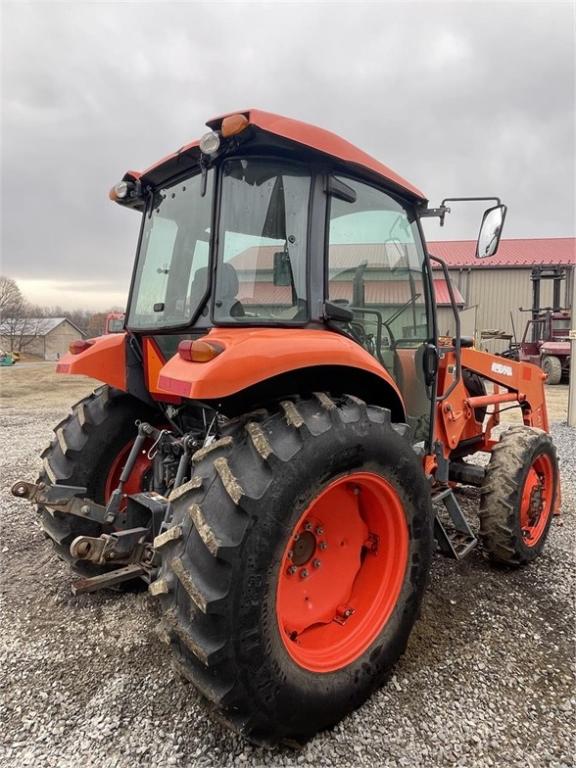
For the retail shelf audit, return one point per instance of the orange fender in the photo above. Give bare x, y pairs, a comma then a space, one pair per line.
253, 355
104, 359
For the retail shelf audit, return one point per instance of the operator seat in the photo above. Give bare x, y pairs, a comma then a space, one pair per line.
228, 285
227, 291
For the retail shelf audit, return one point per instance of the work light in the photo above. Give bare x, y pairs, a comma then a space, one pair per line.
210, 143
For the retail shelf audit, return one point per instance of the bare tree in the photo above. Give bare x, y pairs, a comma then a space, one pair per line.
20, 324
11, 299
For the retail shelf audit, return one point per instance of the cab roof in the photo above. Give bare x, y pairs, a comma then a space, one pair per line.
294, 131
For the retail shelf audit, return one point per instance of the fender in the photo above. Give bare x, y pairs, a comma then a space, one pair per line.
253, 355
250, 356
104, 359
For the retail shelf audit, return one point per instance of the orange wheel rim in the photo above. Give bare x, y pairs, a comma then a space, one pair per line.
342, 572
536, 502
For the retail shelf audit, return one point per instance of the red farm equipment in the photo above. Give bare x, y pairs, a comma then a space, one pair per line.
276, 445
114, 322
546, 338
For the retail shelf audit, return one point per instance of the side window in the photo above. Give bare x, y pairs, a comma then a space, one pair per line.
375, 269
375, 260
154, 276
172, 267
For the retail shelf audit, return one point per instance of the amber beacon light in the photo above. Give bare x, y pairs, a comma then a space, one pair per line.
233, 125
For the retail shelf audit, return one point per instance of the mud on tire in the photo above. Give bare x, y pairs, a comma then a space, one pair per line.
84, 447
502, 493
221, 556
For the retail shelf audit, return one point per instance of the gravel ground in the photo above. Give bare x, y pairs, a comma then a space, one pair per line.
488, 678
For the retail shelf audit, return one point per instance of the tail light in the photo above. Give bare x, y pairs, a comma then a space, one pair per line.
199, 351
81, 345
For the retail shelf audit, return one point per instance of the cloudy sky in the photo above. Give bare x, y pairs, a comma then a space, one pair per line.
461, 98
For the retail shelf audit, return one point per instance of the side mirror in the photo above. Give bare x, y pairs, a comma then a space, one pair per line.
490, 231
282, 274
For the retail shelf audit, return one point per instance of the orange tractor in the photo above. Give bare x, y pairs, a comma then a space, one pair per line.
279, 436
114, 322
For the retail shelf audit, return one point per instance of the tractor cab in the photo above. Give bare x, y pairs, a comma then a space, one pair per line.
252, 228
272, 242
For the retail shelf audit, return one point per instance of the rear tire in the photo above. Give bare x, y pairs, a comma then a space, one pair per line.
518, 495
221, 563
552, 367
84, 449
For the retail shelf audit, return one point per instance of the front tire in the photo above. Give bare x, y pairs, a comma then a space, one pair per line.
518, 495
224, 584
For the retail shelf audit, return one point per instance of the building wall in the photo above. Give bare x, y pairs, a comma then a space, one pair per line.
490, 296
58, 340
33, 347
51, 346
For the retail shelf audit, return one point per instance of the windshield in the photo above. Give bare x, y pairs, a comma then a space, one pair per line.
171, 277
261, 267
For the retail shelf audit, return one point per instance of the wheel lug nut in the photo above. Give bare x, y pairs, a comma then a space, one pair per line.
304, 573
319, 530
323, 545
290, 554
316, 563
292, 570
308, 526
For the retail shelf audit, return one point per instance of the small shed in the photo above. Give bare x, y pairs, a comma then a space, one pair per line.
45, 337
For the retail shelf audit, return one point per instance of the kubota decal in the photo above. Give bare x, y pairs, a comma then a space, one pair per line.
503, 370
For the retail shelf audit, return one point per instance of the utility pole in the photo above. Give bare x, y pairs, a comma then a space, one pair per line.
572, 385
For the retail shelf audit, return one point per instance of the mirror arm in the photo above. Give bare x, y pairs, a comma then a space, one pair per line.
443, 209
470, 200
438, 212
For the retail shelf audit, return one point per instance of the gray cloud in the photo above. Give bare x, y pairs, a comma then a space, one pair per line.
460, 98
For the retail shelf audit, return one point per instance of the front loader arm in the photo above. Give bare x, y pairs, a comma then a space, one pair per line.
514, 382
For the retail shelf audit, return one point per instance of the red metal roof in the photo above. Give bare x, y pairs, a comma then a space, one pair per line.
525, 252
310, 136
394, 292
442, 295
529, 252
345, 256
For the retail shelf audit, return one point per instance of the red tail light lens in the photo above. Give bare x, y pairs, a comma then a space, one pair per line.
198, 351
81, 345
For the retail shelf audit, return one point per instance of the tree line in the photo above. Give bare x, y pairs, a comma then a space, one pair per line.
22, 322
